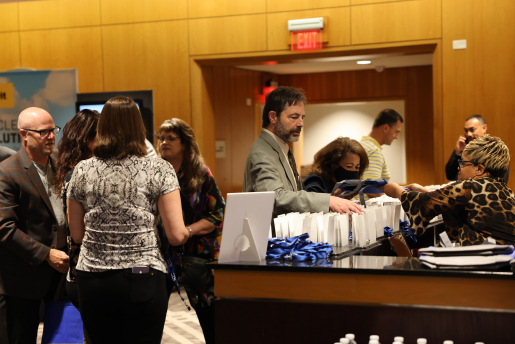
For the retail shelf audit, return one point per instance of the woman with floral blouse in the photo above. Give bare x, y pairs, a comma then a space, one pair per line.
202, 206
478, 206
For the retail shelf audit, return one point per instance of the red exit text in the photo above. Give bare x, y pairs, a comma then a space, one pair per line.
306, 40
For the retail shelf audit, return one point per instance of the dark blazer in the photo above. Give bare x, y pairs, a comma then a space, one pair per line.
6, 153
27, 229
315, 183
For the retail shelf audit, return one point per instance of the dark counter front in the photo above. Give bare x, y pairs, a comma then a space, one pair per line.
304, 302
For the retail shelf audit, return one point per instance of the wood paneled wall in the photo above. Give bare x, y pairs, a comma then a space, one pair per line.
234, 122
481, 78
156, 44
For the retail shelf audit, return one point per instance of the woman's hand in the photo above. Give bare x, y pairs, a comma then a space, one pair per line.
417, 187
202, 227
393, 190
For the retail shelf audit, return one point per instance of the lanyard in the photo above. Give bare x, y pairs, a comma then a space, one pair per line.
171, 274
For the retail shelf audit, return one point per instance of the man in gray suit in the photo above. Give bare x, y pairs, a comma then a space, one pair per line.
270, 164
5, 153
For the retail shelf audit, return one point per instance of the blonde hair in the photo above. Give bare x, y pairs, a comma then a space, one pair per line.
490, 152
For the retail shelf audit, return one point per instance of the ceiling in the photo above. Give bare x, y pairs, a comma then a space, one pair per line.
343, 63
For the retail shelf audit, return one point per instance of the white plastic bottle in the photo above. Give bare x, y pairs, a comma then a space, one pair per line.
399, 339
350, 337
374, 337
344, 341
421, 341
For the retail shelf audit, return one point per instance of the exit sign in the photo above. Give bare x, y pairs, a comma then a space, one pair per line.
306, 40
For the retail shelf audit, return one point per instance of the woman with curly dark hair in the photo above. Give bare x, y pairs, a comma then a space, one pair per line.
76, 145
341, 159
202, 207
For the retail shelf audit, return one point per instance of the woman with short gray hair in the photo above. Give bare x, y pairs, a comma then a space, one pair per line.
478, 206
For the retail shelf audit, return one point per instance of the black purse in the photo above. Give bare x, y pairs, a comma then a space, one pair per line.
195, 273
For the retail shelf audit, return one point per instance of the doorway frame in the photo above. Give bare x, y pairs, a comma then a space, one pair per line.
202, 113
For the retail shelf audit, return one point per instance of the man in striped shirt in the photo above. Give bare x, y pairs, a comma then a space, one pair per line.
387, 127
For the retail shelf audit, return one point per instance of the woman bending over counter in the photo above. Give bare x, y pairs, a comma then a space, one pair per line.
339, 160
479, 205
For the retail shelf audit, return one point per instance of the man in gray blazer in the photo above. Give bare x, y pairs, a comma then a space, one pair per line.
270, 164
6, 153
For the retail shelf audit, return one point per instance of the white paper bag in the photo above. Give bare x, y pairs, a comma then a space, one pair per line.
343, 225
359, 233
325, 225
307, 227
331, 229
370, 224
380, 223
320, 227
278, 229
285, 227
298, 223
389, 215
396, 217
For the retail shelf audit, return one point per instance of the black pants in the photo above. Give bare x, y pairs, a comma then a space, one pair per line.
205, 315
72, 290
121, 307
19, 317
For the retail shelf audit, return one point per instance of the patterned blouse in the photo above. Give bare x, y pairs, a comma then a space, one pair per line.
206, 203
472, 210
120, 197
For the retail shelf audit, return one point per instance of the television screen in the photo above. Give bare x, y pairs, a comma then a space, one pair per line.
99, 107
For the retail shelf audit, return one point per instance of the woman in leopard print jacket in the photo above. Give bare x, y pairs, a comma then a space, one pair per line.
479, 205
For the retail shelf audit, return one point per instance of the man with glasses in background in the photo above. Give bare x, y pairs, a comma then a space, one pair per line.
475, 126
32, 229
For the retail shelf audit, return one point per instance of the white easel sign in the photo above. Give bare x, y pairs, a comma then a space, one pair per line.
246, 225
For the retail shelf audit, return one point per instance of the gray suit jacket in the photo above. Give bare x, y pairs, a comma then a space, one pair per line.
268, 170
6, 153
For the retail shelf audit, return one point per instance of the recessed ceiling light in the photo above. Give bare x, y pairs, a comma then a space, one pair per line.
364, 62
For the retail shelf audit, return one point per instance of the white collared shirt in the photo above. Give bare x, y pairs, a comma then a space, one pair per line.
284, 148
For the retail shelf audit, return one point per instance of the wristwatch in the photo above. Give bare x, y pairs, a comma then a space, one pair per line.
189, 228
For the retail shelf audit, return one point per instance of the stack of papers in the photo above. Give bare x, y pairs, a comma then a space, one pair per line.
479, 257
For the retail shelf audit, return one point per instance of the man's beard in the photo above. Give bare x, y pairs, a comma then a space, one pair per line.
285, 134
47, 150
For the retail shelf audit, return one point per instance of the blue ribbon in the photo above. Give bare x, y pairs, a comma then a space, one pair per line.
388, 231
404, 227
171, 274
297, 249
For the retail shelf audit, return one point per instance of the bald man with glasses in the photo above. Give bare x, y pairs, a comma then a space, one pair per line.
32, 229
